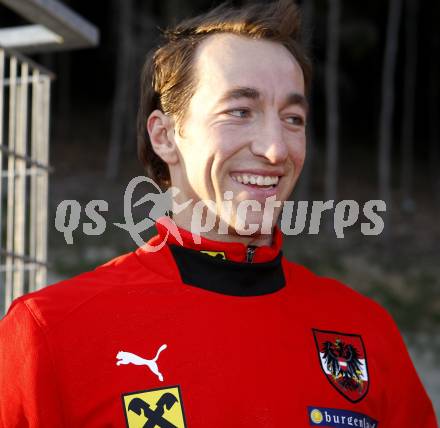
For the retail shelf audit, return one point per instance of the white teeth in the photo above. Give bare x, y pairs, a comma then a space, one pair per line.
259, 180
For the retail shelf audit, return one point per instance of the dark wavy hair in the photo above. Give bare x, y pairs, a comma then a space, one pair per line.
168, 79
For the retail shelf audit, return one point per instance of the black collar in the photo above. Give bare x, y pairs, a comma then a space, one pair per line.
228, 277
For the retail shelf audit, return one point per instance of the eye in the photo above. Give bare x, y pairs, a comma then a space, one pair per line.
295, 120
239, 112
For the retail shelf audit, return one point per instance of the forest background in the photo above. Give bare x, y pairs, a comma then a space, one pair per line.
373, 134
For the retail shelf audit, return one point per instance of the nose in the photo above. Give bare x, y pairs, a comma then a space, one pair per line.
269, 141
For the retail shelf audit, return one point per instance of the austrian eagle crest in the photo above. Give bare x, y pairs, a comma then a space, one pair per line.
343, 359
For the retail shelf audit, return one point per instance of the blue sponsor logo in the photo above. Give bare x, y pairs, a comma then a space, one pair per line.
320, 416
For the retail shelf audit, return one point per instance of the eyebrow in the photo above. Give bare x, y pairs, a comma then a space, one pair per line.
293, 98
240, 92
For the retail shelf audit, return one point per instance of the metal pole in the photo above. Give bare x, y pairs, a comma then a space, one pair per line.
2, 77
20, 182
34, 179
11, 181
43, 199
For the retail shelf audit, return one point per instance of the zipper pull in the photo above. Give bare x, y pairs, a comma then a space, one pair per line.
250, 251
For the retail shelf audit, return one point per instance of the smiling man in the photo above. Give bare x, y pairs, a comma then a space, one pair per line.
247, 136
220, 331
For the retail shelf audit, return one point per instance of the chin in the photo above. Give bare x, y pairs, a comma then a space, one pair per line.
254, 225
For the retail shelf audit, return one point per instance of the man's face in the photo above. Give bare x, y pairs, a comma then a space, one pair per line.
244, 130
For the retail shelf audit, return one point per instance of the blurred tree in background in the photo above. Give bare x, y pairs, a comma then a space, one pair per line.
373, 133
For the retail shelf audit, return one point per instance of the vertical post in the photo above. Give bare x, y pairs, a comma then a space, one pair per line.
43, 199
35, 142
2, 74
11, 181
20, 183
38, 179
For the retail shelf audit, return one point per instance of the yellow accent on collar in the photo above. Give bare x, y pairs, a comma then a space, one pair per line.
219, 254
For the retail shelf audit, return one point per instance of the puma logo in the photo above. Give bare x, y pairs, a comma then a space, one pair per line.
129, 358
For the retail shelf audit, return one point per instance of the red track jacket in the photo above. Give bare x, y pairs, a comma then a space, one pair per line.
196, 336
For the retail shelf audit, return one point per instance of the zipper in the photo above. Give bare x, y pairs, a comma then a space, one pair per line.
250, 251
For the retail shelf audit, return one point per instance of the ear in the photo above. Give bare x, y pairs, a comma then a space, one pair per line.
160, 128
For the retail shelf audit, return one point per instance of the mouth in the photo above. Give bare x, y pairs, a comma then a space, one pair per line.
257, 181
